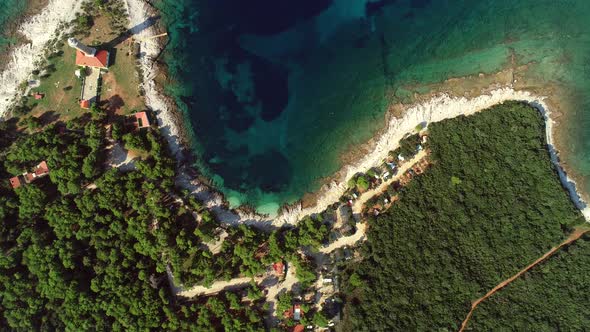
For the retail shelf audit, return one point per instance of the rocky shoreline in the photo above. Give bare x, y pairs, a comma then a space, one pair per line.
399, 122
437, 108
38, 30
170, 121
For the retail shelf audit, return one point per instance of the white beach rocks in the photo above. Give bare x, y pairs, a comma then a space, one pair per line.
436, 109
39, 30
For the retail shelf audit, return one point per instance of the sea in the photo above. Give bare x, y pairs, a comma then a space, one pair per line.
276, 92
11, 11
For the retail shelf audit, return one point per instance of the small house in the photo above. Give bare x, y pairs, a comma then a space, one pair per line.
141, 120
294, 312
85, 104
38, 96
297, 312
279, 269
41, 169
29, 177
298, 328
15, 182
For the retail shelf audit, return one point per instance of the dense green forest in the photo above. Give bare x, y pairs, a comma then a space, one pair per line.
86, 248
490, 204
551, 297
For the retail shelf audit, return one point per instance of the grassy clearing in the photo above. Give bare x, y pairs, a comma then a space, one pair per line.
120, 91
61, 88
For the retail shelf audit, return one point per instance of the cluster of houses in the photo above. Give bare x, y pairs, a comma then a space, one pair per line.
139, 120
384, 201
40, 171
390, 168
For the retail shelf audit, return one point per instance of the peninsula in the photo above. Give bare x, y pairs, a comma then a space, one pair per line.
446, 219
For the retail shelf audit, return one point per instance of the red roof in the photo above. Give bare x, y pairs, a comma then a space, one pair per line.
15, 182
298, 328
142, 120
100, 60
279, 268
38, 96
294, 312
85, 104
42, 169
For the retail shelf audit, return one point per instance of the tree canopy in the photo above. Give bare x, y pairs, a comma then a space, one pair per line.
490, 204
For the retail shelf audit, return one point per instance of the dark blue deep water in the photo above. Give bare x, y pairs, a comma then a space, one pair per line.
275, 91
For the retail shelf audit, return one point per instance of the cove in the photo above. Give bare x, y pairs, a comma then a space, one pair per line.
275, 92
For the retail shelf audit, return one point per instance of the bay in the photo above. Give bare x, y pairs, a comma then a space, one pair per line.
275, 92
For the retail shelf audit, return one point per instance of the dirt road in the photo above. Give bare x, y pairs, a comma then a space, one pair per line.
357, 207
274, 290
573, 237
359, 235
217, 287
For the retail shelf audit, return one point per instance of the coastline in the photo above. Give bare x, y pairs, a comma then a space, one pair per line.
169, 121
38, 30
399, 120
439, 107
10, 29
430, 108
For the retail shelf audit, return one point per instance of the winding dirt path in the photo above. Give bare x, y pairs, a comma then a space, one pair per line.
357, 207
217, 287
359, 235
578, 232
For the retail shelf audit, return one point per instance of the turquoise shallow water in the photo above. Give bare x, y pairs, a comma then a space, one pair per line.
276, 91
11, 9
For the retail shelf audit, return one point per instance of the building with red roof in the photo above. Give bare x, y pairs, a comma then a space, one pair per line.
141, 120
15, 182
85, 104
29, 177
294, 312
279, 269
298, 328
99, 60
38, 96
42, 169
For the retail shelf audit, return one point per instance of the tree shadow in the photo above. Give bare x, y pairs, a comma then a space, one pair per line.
151, 21
48, 117
112, 56
114, 104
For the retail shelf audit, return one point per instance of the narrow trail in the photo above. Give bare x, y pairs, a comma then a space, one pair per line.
217, 287
366, 196
578, 232
359, 235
